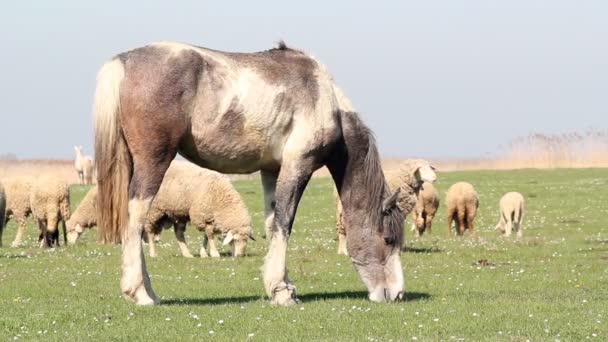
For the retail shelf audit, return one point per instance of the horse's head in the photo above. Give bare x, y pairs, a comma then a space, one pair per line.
375, 246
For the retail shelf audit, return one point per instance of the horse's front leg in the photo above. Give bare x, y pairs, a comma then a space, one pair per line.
291, 182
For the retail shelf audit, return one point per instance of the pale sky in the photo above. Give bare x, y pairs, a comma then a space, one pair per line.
433, 79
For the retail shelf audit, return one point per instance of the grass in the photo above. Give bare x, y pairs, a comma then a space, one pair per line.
551, 285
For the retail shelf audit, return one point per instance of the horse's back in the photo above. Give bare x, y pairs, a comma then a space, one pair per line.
220, 105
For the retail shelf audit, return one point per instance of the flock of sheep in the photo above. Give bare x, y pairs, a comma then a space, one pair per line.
210, 203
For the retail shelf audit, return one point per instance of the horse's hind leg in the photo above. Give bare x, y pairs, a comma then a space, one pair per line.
292, 180
148, 172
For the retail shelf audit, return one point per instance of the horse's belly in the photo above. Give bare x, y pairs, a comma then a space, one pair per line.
229, 150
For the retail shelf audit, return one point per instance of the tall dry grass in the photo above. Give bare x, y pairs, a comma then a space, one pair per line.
568, 150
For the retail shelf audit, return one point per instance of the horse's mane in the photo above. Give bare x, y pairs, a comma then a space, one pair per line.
374, 183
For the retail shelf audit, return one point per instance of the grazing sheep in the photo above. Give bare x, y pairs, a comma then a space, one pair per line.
84, 166
462, 203
18, 207
85, 216
187, 193
512, 211
50, 203
425, 209
209, 201
2, 210
408, 177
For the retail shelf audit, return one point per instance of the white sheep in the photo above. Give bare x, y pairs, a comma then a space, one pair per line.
462, 203
209, 201
427, 203
18, 207
2, 211
408, 178
187, 193
511, 211
84, 166
50, 204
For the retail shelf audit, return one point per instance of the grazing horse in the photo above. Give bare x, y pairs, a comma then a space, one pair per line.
277, 111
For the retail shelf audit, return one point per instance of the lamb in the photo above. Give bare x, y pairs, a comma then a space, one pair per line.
408, 177
84, 166
50, 204
427, 203
462, 203
512, 212
18, 207
2, 210
205, 198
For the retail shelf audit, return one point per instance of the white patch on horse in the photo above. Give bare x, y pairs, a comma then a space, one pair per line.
135, 282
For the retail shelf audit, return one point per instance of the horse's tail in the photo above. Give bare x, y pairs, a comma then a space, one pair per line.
112, 157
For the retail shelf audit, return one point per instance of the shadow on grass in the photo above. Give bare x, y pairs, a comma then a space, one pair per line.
12, 256
410, 249
308, 297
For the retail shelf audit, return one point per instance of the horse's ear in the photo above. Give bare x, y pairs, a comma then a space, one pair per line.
391, 202
228, 238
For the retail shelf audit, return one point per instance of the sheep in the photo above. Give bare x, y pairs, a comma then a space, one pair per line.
18, 207
462, 203
50, 204
427, 203
85, 216
407, 178
511, 211
84, 166
2, 210
205, 198
209, 201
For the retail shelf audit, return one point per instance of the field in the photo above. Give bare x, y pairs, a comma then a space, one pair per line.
550, 285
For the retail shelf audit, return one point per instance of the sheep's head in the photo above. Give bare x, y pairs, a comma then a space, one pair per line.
423, 171
238, 241
73, 231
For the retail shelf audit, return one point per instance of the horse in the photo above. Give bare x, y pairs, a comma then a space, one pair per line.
276, 111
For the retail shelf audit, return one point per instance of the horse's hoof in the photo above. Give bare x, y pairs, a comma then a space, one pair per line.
139, 296
285, 296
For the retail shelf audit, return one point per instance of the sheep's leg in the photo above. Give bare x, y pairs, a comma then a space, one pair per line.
292, 181
452, 221
44, 241
508, 228
470, 215
429, 223
21, 224
269, 183
151, 239
179, 228
204, 246
211, 238
462, 224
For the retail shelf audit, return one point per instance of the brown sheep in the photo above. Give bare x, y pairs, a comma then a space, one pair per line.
18, 204
462, 203
425, 209
50, 203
